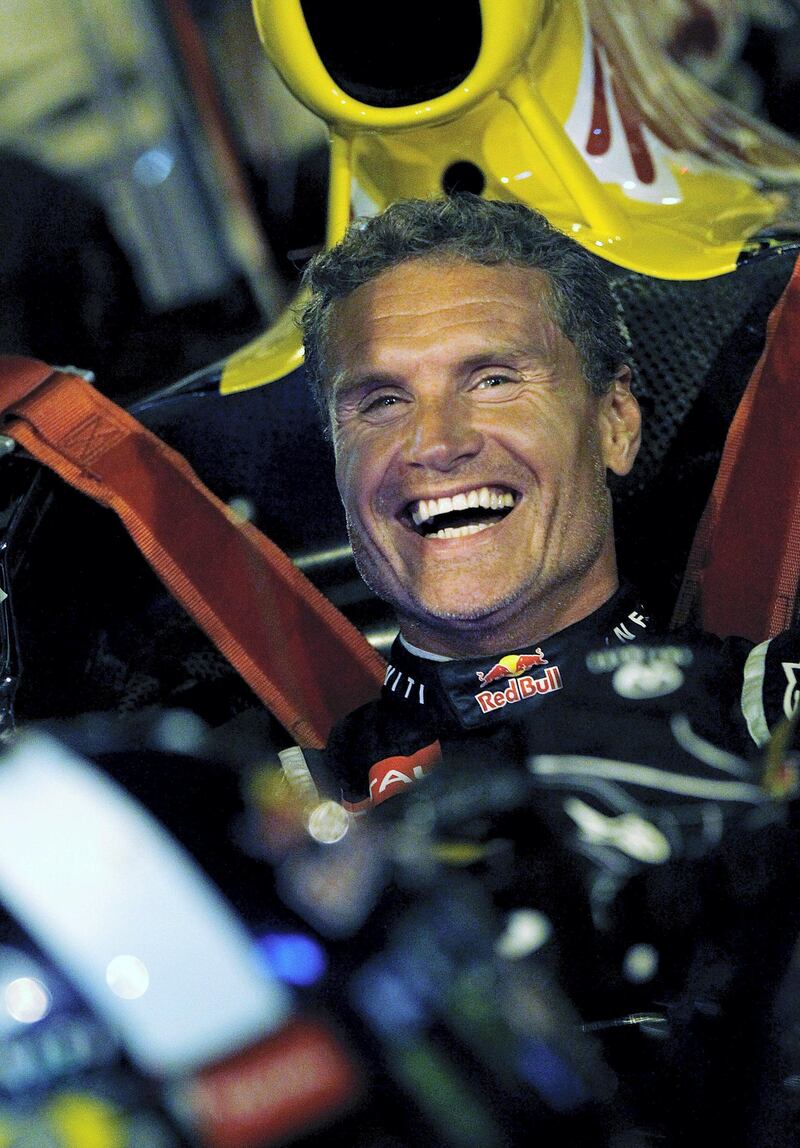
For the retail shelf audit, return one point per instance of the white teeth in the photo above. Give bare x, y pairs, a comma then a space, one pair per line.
483, 497
462, 531
420, 515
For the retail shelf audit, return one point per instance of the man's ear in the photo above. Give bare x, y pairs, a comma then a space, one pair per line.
620, 423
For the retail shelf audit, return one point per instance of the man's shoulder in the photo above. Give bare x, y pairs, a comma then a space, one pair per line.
740, 688
375, 748
770, 680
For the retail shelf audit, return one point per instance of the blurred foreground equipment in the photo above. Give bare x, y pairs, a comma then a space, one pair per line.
187, 960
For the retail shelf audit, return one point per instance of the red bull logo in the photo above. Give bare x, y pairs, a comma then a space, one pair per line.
519, 688
511, 666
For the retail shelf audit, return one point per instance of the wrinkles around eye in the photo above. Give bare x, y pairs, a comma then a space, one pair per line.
379, 407
498, 388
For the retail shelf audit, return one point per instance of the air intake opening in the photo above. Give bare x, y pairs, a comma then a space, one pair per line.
391, 55
463, 176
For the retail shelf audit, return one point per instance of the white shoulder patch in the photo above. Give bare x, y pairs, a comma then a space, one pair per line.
298, 775
753, 694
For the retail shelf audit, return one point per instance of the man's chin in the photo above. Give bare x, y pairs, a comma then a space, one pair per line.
438, 607
457, 616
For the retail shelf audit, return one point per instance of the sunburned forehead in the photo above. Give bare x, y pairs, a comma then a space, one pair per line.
426, 305
420, 282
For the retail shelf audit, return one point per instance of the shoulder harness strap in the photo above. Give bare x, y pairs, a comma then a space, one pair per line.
744, 567
298, 653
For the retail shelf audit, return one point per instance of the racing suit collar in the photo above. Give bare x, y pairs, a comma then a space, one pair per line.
484, 690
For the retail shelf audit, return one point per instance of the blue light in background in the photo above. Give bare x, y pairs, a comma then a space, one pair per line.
387, 1000
552, 1077
153, 166
293, 957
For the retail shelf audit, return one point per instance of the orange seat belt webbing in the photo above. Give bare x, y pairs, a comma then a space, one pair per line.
295, 650
744, 567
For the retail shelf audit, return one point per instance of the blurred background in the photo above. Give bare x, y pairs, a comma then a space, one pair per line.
158, 185
160, 189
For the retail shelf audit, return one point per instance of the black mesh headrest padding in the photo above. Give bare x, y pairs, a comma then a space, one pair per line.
694, 345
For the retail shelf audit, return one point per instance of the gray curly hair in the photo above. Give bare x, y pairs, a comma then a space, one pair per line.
475, 230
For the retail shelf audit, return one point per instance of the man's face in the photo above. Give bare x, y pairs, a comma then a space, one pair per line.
471, 454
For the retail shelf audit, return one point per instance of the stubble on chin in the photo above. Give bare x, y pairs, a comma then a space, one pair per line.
421, 612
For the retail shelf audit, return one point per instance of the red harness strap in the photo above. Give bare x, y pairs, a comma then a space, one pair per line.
297, 652
744, 568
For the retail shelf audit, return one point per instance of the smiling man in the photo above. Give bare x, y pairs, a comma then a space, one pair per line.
470, 364
471, 453
468, 361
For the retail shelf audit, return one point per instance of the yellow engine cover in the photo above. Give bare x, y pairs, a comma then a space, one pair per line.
569, 108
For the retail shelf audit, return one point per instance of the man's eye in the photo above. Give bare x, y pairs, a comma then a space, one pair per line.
489, 382
377, 404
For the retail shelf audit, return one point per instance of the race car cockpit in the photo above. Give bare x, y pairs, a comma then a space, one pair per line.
433, 1012
566, 107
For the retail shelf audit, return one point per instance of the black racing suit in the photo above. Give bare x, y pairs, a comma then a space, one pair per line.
585, 690
640, 822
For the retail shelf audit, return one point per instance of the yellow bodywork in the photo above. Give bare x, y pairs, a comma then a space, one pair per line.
570, 109
68, 1120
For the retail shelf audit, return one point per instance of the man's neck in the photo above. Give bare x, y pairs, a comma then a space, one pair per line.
473, 637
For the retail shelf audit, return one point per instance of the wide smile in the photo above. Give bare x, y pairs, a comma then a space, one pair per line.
458, 515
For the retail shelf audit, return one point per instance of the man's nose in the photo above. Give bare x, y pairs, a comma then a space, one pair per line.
443, 434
